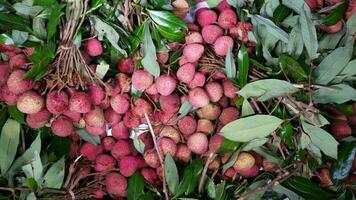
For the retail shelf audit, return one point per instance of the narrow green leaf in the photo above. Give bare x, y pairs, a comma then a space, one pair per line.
244, 64
167, 19
31, 183
11, 21
136, 186
171, 174
281, 12
9, 141
249, 128
94, 139
149, 60
295, 42
246, 109
16, 114
336, 15
228, 146
230, 66
339, 93
292, 68
34, 168
53, 20
308, 32
184, 109
350, 69
171, 35
55, 175
190, 180
213, 3
210, 188
321, 139
254, 144
341, 168
220, 191
271, 27
289, 193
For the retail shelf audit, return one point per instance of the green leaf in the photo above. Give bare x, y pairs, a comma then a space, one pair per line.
3, 116
31, 183
169, 34
60, 146
136, 187
341, 168
94, 139
228, 146
213, 3
139, 144
167, 19
330, 41
283, 190
316, 119
19, 37
254, 144
308, 32
210, 188
14, 22
321, 139
286, 133
249, 128
101, 69
9, 141
171, 173
53, 20
16, 114
55, 175
346, 109
339, 93
190, 180
267, 88
281, 12
350, 69
149, 60
105, 30
271, 27
350, 25
292, 68
304, 140
333, 64
268, 155
184, 109
246, 109
39, 27
220, 191
230, 66
295, 42
336, 15
34, 168
135, 38
244, 64
27, 10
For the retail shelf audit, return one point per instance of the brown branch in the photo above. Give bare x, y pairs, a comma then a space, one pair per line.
211, 157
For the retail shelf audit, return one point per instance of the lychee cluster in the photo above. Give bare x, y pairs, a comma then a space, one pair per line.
342, 125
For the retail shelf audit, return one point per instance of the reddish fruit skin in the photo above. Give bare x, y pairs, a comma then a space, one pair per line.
108, 143
94, 47
324, 176
193, 37
151, 158
128, 166
111, 117
152, 90
90, 151
206, 17
166, 146
96, 131
116, 184
205, 126
183, 153
215, 143
150, 176
74, 116
124, 82
120, 131
4, 73
130, 120
9, 97
312, 4
104, 162
141, 163
17, 84
230, 173
186, 72
193, 52
95, 118
170, 132
79, 102
126, 65
62, 127
198, 97
222, 44
120, 104
223, 5
211, 33
168, 118
214, 90
141, 80
268, 166
333, 28
141, 106
162, 57
229, 89
252, 172
228, 115
121, 149
98, 194
197, 81
30, 103
210, 112
187, 125
96, 94
198, 143
57, 102
38, 120
193, 27
165, 85
227, 19
170, 103
18, 61
340, 129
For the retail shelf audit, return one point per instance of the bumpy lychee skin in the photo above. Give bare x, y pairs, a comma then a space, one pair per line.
62, 127
252, 172
30, 103
162, 57
96, 131
197, 81
79, 102
94, 47
18, 61
95, 118
152, 90
90, 151
74, 116
166, 84
111, 117
198, 143
214, 90
222, 44
268, 166
229, 89
39, 119
198, 97
227, 19
120, 149
120, 131
124, 81
142, 106
116, 184
150, 176
166, 146
186, 72
104, 162
168, 118
193, 37
244, 162
223, 5
228, 115
151, 158
170, 132
215, 142
210, 112
211, 33
108, 143
9, 97
96, 94
183, 153
4, 73
131, 120
340, 129
126, 65
141, 80
193, 27
170, 103
120, 104
324, 177
193, 52
57, 102
187, 125
333, 28
128, 166
17, 84
206, 17
205, 126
